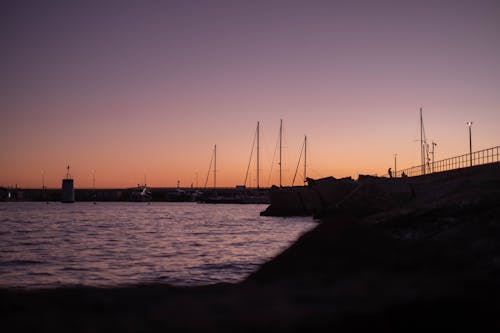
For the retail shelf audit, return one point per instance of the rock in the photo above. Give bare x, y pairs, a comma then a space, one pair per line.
308, 200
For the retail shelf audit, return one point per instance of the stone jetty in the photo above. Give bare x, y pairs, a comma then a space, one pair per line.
370, 194
308, 200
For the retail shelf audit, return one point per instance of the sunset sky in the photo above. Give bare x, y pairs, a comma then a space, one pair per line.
135, 88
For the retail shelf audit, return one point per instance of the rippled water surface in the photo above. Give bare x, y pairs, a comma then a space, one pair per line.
51, 245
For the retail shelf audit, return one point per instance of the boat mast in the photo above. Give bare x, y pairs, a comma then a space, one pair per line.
422, 148
209, 170
305, 158
43, 184
433, 145
281, 135
215, 166
302, 151
255, 138
258, 142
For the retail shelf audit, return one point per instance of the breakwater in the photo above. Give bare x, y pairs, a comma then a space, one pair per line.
366, 195
158, 194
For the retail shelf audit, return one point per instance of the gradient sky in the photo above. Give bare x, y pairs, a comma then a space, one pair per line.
134, 88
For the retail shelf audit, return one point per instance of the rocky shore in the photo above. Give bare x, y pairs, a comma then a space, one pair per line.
409, 254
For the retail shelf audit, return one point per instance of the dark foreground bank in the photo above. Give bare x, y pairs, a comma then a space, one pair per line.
432, 262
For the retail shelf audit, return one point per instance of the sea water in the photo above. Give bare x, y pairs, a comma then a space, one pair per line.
112, 244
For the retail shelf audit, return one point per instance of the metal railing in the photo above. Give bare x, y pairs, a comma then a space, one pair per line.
480, 157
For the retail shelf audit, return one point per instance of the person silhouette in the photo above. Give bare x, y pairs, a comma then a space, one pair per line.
389, 172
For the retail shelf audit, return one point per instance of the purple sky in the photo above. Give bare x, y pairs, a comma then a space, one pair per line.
148, 87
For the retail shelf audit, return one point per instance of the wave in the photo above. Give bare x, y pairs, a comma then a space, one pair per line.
21, 262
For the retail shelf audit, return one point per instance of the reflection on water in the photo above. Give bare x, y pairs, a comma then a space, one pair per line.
125, 243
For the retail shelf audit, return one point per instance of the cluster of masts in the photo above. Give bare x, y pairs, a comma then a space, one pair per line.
256, 142
425, 149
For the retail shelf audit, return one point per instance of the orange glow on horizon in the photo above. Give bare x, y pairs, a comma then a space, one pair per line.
152, 98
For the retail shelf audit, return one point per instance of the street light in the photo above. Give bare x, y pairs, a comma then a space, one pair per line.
395, 166
469, 124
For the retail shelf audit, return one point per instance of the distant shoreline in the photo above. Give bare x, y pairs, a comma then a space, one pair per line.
159, 194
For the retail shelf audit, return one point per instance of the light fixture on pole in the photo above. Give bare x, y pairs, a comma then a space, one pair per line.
395, 166
469, 124
433, 145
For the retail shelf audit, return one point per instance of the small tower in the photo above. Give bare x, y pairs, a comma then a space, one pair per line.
68, 192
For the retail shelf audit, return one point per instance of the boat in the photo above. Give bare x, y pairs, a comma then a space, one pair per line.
141, 194
238, 195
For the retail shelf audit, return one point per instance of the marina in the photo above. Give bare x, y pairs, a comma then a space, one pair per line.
154, 194
250, 166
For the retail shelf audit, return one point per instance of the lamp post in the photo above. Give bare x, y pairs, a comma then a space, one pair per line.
469, 124
43, 185
395, 166
94, 195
